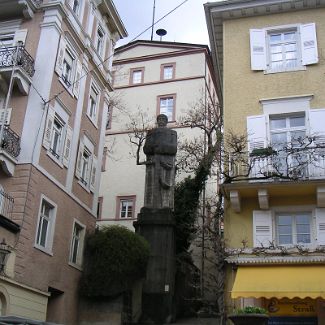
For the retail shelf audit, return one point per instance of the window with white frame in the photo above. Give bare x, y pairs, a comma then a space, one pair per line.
293, 228
86, 166
68, 67
126, 207
100, 40
93, 103
45, 228
289, 131
167, 106
283, 48
6, 40
77, 242
76, 4
58, 135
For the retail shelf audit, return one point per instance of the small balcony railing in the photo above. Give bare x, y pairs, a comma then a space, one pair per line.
6, 205
10, 142
306, 163
17, 56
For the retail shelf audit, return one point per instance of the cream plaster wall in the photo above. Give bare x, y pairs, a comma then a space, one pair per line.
187, 66
122, 176
243, 88
22, 301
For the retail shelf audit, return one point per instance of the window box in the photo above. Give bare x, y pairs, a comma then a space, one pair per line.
249, 319
263, 152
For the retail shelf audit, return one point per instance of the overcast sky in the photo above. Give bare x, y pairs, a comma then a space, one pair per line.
186, 24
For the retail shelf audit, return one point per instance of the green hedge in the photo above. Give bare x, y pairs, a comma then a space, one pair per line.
115, 258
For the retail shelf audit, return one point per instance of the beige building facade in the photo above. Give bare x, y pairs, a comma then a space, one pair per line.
55, 79
271, 58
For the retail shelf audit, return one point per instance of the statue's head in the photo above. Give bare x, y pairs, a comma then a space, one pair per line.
162, 120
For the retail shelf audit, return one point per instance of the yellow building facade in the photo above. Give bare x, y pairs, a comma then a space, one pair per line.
270, 58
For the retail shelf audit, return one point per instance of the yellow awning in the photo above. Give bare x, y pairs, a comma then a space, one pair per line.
280, 282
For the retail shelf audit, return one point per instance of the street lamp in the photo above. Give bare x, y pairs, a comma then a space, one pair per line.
4, 251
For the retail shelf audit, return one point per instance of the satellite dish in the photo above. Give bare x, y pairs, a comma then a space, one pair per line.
161, 32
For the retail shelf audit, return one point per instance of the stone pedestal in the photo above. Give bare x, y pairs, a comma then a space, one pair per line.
157, 227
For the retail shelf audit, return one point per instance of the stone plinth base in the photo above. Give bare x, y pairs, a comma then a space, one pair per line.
157, 227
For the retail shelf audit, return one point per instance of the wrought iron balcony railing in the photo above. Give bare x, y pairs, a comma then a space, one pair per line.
17, 56
10, 142
6, 204
306, 163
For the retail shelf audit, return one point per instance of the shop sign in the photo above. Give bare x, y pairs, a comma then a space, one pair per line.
291, 307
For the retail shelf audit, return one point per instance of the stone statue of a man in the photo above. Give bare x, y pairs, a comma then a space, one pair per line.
160, 148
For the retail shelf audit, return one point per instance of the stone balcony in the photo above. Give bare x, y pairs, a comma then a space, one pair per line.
18, 61
13, 9
266, 173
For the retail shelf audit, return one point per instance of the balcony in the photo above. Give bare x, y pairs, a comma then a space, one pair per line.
265, 173
13, 9
6, 208
19, 59
9, 150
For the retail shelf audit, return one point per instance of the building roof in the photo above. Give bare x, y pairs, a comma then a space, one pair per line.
174, 45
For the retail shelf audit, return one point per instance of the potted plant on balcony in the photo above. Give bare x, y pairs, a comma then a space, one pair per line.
262, 152
250, 315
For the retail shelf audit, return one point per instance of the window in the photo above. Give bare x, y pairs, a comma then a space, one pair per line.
289, 131
283, 48
167, 106
167, 71
293, 228
105, 154
86, 166
100, 41
136, 76
126, 207
58, 135
56, 142
109, 117
68, 67
6, 40
93, 103
67, 72
76, 6
77, 244
45, 229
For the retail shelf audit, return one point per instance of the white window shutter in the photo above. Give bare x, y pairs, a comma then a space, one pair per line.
258, 49
320, 226
77, 81
93, 173
262, 228
20, 36
256, 132
5, 117
67, 146
309, 51
60, 56
48, 128
316, 122
79, 159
